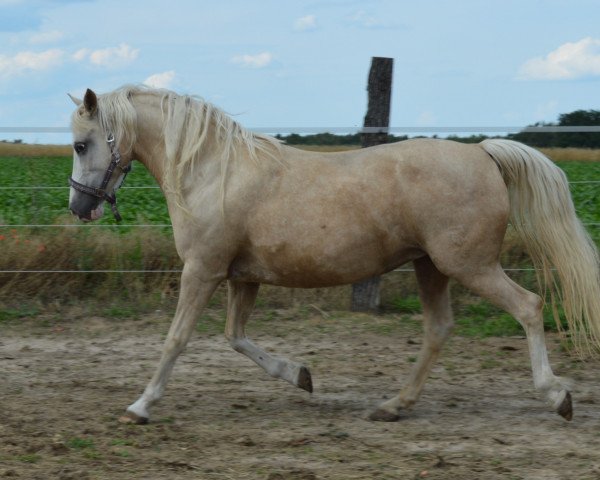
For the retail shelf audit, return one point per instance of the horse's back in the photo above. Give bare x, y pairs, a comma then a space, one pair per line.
420, 185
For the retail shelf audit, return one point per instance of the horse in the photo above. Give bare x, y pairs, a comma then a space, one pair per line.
247, 209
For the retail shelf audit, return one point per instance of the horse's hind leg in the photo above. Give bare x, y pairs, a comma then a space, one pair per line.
493, 284
239, 306
438, 322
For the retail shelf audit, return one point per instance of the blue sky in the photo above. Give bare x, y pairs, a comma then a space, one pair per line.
304, 63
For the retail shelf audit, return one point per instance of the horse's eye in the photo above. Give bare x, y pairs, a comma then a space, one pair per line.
79, 147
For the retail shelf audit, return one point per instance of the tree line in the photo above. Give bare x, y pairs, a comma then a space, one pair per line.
535, 139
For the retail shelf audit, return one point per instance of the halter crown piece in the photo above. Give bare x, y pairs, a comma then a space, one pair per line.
100, 192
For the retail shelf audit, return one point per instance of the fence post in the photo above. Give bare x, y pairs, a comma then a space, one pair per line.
365, 294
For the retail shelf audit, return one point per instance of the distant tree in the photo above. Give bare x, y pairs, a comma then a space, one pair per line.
327, 138
565, 139
535, 139
579, 139
471, 139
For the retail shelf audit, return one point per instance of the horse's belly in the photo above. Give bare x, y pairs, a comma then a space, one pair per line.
311, 270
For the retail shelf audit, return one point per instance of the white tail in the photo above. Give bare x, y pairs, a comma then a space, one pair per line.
564, 255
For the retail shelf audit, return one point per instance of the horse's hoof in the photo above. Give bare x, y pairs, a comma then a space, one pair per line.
131, 418
305, 380
565, 409
381, 415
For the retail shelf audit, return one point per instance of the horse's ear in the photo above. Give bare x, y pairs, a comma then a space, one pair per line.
90, 102
76, 101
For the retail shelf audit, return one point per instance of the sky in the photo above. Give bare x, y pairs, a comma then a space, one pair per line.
303, 64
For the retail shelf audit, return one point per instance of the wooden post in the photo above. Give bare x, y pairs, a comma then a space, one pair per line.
365, 294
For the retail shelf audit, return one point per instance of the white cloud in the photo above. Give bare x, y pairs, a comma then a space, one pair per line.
160, 80
23, 62
114, 55
569, 61
46, 37
260, 60
81, 54
108, 57
306, 23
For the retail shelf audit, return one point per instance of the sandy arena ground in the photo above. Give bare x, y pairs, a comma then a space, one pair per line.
65, 380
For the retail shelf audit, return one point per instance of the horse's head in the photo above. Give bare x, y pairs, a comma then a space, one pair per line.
98, 169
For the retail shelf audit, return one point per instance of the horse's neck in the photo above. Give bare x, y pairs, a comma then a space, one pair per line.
149, 148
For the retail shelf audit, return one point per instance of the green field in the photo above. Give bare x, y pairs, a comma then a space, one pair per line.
46, 206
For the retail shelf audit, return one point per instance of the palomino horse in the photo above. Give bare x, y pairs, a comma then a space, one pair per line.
249, 210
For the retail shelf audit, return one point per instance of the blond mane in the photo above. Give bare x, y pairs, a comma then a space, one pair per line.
192, 125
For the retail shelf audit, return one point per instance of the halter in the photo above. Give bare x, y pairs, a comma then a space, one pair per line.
115, 160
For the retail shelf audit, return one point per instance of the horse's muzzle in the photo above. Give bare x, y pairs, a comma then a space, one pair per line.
86, 209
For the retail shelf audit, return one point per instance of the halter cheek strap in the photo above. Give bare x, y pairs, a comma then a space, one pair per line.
100, 192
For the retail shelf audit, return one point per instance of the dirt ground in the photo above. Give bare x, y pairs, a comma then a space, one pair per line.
65, 380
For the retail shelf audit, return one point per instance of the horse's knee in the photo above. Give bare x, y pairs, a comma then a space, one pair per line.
437, 333
530, 312
175, 346
445, 327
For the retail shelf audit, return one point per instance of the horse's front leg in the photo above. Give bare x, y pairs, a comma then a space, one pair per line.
194, 294
241, 297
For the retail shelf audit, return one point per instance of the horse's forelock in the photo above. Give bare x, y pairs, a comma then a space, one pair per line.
117, 116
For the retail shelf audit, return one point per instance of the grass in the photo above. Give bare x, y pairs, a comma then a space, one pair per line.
77, 443
121, 311
211, 322
49, 206
475, 319
121, 442
29, 458
9, 314
87, 250
409, 304
483, 320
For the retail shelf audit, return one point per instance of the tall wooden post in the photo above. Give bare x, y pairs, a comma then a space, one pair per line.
365, 294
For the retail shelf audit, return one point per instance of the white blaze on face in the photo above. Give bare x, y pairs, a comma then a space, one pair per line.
76, 175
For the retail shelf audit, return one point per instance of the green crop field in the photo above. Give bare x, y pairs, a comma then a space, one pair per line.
46, 206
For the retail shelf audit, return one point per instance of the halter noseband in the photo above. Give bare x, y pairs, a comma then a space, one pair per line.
115, 161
